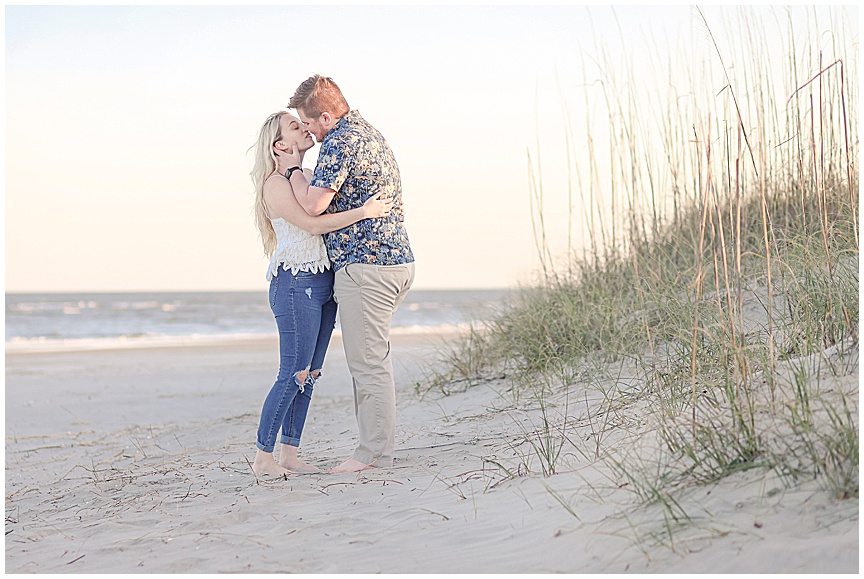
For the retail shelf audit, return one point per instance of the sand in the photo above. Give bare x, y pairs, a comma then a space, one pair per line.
136, 460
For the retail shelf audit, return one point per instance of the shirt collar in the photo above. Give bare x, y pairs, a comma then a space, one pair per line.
350, 117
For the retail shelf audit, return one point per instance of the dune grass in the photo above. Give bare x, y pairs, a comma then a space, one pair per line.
721, 260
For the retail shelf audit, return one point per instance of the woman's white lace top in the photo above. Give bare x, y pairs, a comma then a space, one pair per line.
297, 250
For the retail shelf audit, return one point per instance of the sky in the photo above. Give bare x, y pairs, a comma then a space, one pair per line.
128, 130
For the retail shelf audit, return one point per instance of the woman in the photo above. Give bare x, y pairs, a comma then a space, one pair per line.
301, 290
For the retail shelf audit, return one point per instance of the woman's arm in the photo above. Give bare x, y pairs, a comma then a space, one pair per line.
314, 200
282, 203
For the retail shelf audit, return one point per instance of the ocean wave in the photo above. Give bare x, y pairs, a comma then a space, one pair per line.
66, 307
44, 345
52, 345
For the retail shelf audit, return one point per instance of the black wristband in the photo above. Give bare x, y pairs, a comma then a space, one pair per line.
288, 172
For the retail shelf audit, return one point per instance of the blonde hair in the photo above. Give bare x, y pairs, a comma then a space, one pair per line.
265, 164
318, 94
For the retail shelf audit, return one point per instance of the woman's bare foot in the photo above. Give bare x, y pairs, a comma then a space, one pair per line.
299, 466
266, 465
288, 459
350, 465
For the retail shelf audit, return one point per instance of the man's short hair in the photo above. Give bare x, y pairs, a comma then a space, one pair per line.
318, 94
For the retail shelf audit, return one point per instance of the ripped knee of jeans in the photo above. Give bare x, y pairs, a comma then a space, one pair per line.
301, 378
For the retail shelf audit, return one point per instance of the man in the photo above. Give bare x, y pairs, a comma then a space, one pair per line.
372, 259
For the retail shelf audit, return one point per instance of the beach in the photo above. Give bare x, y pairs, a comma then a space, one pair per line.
137, 461
631, 344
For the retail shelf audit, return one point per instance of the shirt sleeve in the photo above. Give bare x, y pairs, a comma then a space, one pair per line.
334, 164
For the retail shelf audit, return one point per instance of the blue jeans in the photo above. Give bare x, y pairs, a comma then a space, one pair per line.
305, 315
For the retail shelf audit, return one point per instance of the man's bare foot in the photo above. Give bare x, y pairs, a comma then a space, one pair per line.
350, 465
288, 459
266, 465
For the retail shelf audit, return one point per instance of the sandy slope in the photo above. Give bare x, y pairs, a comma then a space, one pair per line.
135, 461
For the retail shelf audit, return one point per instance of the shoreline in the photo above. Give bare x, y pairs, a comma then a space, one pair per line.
25, 346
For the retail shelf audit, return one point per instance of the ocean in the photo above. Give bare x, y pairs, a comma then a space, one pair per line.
83, 321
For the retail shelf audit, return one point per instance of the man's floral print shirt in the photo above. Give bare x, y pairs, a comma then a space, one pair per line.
356, 162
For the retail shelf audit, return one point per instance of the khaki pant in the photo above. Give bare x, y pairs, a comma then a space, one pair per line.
368, 295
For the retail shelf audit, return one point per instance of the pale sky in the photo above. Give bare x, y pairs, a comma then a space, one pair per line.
128, 129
